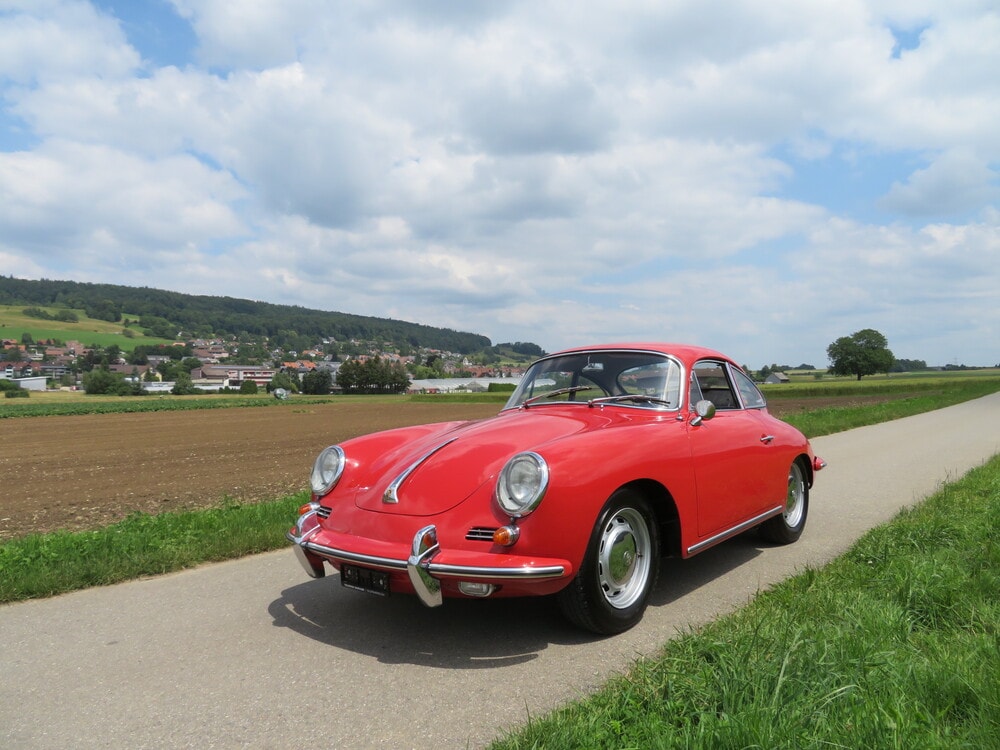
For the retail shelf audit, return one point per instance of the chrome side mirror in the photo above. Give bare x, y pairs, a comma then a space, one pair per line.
703, 410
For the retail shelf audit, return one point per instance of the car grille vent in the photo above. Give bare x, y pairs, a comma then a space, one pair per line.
323, 511
480, 534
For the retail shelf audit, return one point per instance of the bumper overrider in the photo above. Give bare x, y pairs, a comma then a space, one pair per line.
425, 565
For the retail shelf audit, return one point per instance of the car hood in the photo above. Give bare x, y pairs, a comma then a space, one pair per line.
435, 471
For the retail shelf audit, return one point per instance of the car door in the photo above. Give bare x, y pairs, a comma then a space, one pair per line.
774, 471
730, 458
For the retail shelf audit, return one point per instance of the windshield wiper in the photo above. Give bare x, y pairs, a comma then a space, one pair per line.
556, 392
629, 397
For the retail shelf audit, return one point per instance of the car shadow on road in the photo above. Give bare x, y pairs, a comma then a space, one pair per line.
468, 633
678, 577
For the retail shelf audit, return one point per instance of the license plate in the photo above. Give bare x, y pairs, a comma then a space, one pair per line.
364, 579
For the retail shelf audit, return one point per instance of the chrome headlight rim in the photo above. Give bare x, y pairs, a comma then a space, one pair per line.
327, 469
518, 493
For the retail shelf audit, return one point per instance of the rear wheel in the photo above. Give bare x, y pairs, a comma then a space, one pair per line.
620, 568
787, 527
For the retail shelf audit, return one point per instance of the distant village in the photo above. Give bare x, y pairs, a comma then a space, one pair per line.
209, 365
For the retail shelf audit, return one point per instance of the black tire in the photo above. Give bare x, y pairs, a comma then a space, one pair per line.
610, 591
787, 527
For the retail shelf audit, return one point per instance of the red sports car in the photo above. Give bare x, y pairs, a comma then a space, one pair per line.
603, 460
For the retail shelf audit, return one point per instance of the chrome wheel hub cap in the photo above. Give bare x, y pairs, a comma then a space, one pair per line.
794, 504
623, 559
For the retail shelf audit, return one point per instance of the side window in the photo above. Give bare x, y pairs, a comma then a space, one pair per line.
752, 398
714, 385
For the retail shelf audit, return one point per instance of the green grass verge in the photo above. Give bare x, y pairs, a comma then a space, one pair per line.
41, 565
894, 645
816, 422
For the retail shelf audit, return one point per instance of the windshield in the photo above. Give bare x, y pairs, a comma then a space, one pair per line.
633, 378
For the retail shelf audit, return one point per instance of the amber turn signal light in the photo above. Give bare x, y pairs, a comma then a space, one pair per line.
505, 536
308, 507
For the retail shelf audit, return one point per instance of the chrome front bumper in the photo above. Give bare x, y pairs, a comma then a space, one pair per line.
424, 573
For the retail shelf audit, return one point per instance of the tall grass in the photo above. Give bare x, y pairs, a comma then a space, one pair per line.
894, 645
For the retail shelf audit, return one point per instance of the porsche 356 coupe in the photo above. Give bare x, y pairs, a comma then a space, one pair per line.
603, 460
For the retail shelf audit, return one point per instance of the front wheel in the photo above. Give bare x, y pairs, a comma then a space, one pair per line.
610, 592
787, 527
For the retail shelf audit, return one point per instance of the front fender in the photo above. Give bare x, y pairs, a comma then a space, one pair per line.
586, 471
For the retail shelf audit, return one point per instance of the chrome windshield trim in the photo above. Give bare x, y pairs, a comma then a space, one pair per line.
391, 496
723, 535
593, 351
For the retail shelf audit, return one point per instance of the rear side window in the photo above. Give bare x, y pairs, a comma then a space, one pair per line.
752, 398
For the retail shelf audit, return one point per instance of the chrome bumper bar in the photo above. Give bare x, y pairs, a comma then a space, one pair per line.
423, 572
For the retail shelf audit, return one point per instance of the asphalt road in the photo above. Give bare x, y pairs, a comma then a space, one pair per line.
253, 654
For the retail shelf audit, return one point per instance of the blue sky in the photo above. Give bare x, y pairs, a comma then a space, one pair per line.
763, 180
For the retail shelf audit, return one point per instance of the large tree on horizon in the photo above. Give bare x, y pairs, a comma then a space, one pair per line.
864, 352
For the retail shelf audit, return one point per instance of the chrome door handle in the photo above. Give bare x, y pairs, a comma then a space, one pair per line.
766, 438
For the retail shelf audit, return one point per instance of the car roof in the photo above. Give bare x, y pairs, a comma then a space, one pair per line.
685, 352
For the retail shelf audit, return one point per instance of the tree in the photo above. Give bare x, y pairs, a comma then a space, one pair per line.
284, 380
102, 381
348, 375
909, 365
184, 386
318, 382
862, 353
104, 309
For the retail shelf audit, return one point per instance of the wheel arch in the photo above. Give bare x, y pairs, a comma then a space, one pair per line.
667, 517
803, 460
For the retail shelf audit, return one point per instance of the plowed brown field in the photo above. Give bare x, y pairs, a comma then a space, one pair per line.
87, 471
83, 472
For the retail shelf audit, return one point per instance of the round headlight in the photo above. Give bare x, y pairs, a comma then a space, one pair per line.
522, 484
327, 470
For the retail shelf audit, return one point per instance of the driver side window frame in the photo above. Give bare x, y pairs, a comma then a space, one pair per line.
720, 391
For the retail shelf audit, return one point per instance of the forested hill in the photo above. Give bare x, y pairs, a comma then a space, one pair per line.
203, 316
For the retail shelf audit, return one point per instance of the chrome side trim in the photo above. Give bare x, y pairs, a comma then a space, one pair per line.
391, 495
723, 535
